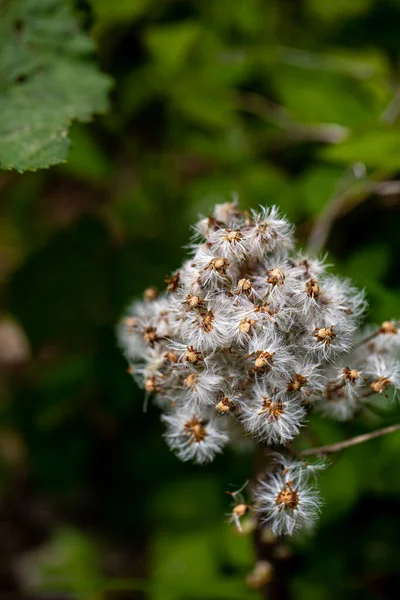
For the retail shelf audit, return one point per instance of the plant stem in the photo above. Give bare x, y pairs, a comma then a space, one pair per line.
276, 588
358, 439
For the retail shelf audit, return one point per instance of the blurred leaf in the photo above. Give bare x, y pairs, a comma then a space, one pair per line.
72, 261
375, 148
339, 487
170, 44
47, 80
86, 159
323, 97
115, 12
318, 185
373, 261
64, 565
184, 502
186, 567
202, 102
338, 10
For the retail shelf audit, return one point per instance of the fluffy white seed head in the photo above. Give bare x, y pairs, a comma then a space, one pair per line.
286, 499
246, 337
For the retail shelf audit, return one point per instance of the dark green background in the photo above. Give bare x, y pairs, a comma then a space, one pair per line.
211, 97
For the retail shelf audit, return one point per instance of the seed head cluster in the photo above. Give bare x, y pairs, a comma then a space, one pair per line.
248, 337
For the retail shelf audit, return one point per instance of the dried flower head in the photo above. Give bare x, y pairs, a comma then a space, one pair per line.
247, 336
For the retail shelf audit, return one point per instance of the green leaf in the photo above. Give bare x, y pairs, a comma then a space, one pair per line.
325, 97
375, 148
170, 44
338, 11
47, 79
318, 185
109, 13
67, 563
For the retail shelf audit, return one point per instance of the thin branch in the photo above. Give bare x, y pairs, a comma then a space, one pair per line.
261, 107
358, 439
323, 225
369, 338
344, 201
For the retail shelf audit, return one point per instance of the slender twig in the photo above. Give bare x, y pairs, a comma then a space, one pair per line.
323, 225
343, 201
369, 338
279, 116
358, 439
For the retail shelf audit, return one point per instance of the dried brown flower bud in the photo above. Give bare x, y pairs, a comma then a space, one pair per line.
195, 430
388, 327
260, 575
297, 383
276, 277
150, 385
263, 359
380, 385
172, 281
192, 356
312, 288
191, 381
131, 324
325, 334
193, 301
219, 264
244, 287
245, 325
150, 335
350, 374
171, 356
151, 293
288, 496
240, 510
233, 236
224, 405
273, 409
206, 321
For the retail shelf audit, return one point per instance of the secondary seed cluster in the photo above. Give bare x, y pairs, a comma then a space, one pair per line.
247, 338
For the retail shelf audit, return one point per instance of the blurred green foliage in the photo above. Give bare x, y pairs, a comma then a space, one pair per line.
46, 81
275, 100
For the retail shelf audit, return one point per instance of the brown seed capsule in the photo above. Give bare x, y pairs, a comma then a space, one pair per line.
241, 510
150, 385
150, 335
266, 310
172, 281
191, 381
245, 325
233, 236
263, 359
297, 383
224, 405
350, 375
273, 409
388, 327
192, 356
131, 324
171, 356
150, 294
260, 575
287, 497
276, 277
325, 334
312, 288
380, 385
244, 287
193, 301
206, 321
218, 264
195, 430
